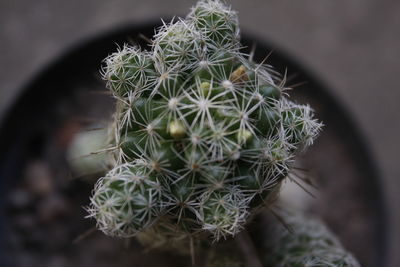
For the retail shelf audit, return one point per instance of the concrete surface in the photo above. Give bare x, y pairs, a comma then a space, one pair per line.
353, 45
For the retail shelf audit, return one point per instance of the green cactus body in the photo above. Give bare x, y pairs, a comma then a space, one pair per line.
310, 244
207, 131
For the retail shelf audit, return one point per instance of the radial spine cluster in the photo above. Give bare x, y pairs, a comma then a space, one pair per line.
203, 135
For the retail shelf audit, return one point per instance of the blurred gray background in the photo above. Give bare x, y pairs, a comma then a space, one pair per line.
352, 45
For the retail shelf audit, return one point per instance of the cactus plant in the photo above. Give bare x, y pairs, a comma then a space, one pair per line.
310, 244
203, 135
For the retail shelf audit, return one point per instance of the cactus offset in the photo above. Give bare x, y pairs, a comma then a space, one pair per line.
310, 244
203, 133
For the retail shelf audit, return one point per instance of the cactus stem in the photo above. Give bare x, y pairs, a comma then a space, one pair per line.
196, 123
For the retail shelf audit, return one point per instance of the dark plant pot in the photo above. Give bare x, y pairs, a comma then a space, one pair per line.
41, 122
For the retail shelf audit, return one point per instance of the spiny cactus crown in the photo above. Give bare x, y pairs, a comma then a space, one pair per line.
204, 136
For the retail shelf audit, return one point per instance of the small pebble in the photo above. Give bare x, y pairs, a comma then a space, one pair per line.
53, 207
24, 221
38, 178
19, 198
57, 261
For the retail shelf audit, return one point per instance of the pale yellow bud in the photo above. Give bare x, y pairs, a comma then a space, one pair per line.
244, 136
239, 75
176, 129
